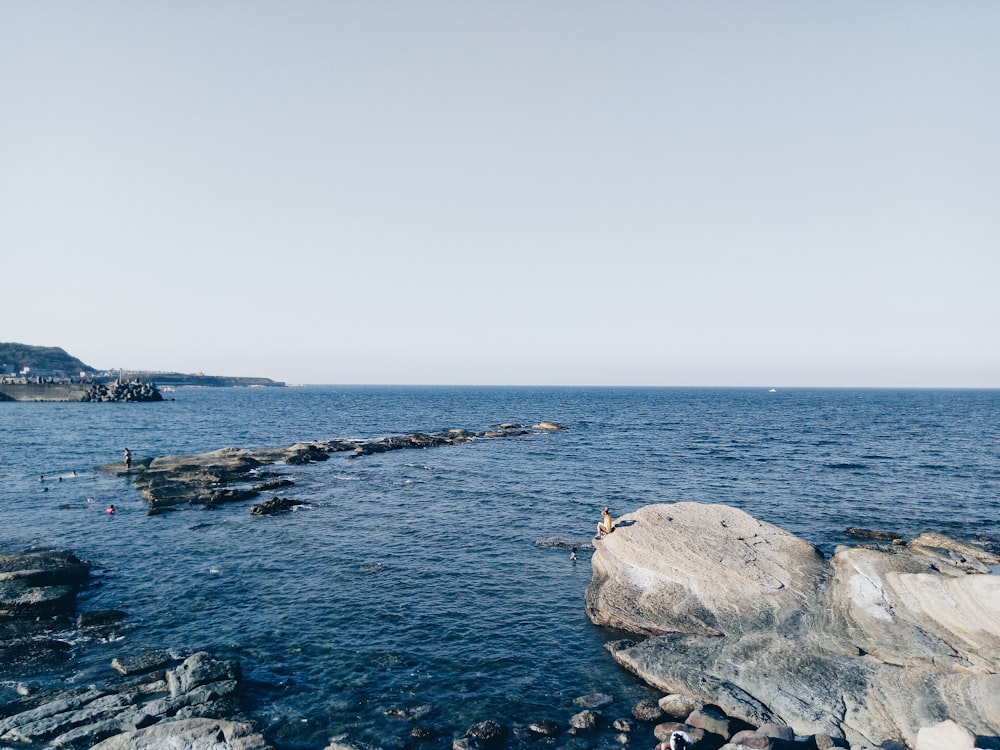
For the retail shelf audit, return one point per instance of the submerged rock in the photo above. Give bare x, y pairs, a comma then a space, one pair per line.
210, 734
274, 506
868, 647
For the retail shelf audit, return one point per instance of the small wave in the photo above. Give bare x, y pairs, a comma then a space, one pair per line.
845, 465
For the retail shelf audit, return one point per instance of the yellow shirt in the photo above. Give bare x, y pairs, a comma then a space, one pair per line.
607, 523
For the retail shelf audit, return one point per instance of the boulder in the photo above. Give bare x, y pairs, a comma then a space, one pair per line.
703, 569
647, 710
38, 585
947, 734
487, 733
679, 706
584, 721
866, 648
192, 734
544, 728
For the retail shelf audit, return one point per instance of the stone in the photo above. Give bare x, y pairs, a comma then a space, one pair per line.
647, 710
623, 725
143, 663
679, 706
754, 740
200, 669
663, 731
544, 728
274, 506
40, 585
593, 700
947, 734
192, 734
548, 426
714, 722
99, 618
777, 731
488, 733
584, 721
865, 648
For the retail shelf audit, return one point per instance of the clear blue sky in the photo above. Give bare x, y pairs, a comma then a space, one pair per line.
652, 193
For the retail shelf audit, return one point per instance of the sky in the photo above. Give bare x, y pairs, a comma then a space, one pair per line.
536, 193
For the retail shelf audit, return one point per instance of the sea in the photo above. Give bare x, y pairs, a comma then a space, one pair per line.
435, 587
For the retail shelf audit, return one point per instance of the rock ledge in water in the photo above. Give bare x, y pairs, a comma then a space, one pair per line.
231, 474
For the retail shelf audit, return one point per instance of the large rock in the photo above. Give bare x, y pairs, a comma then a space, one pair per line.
704, 569
36, 589
870, 646
188, 734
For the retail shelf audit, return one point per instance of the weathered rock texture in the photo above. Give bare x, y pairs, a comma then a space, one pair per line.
869, 646
180, 707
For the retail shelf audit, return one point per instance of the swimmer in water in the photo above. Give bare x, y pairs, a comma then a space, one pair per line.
110, 510
572, 555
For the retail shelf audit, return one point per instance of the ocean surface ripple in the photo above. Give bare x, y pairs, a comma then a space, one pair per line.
411, 583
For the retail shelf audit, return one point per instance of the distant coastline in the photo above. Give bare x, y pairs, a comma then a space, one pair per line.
48, 373
211, 381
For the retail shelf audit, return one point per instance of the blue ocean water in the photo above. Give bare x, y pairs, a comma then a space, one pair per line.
412, 590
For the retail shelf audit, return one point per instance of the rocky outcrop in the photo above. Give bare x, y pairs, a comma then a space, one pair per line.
868, 647
38, 593
232, 474
190, 704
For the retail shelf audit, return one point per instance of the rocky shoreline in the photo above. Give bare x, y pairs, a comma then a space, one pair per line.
875, 647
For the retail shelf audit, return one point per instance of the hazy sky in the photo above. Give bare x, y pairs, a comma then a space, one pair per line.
648, 193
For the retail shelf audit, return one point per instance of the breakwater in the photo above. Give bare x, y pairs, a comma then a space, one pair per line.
78, 390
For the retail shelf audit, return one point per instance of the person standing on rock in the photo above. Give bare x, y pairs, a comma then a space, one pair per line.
605, 525
128, 460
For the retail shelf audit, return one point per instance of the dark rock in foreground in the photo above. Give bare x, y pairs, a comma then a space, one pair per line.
178, 707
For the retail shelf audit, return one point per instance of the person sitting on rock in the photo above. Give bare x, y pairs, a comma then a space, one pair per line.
605, 525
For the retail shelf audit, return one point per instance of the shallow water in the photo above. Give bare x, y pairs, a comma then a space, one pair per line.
413, 581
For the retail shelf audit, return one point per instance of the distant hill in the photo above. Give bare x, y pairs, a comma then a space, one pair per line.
54, 362
43, 360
